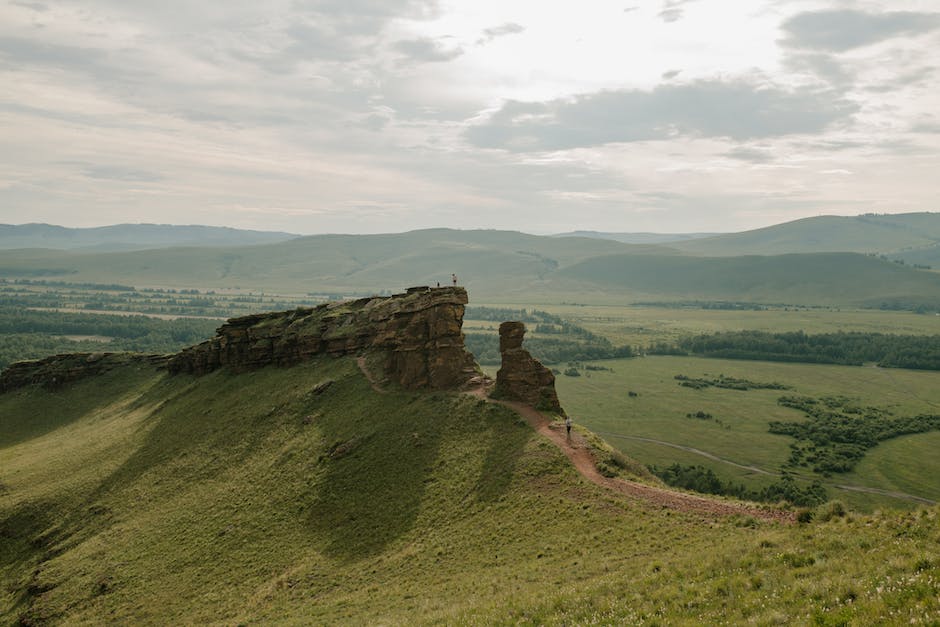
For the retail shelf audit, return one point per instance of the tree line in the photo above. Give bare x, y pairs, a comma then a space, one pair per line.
844, 347
27, 334
704, 480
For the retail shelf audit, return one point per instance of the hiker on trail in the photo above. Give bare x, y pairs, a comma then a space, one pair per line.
568, 425
453, 277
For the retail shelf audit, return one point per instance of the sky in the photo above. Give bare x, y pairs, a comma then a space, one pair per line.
376, 116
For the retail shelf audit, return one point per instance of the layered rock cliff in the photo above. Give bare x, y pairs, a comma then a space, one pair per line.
415, 338
57, 370
522, 377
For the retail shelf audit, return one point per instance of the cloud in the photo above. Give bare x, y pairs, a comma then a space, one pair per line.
751, 155
426, 50
121, 173
671, 74
21, 50
846, 29
35, 6
823, 66
736, 110
673, 10
509, 28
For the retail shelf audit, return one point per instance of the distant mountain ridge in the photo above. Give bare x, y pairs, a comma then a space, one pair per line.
131, 236
911, 237
639, 238
497, 267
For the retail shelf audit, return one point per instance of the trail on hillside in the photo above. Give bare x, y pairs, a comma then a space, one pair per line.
578, 451
364, 368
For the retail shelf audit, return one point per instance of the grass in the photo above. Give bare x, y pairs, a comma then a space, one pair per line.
642, 326
600, 400
267, 497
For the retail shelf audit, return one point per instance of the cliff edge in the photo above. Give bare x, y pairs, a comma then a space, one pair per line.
416, 338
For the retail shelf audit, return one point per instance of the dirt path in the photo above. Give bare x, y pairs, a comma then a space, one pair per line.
578, 451
361, 362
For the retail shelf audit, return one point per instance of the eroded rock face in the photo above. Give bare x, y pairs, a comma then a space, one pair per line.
417, 338
522, 377
58, 370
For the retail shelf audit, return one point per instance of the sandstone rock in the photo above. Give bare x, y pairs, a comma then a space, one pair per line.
417, 337
58, 370
522, 377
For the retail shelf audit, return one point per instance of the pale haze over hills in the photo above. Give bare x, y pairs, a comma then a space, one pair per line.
679, 116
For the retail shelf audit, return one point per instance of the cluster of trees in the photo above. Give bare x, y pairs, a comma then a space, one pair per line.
26, 334
728, 383
708, 304
93, 296
838, 433
110, 287
848, 348
704, 480
485, 347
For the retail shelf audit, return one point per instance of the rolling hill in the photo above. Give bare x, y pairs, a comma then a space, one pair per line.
639, 238
497, 266
137, 497
820, 278
490, 261
896, 235
130, 236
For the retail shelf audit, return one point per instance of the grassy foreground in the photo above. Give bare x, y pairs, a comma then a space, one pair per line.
237, 499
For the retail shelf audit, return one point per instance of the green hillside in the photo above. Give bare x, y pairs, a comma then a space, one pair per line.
820, 279
496, 266
494, 261
140, 498
130, 236
895, 234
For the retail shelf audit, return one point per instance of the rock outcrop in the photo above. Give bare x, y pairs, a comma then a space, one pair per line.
415, 338
57, 370
522, 377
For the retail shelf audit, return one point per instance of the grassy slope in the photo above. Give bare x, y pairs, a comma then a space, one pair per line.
818, 279
601, 402
138, 498
861, 234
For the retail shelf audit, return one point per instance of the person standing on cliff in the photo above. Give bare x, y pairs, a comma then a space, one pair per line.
568, 425
453, 277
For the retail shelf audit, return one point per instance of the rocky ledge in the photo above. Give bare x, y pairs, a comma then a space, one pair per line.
58, 370
416, 338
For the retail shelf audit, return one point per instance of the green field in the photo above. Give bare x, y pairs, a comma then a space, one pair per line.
641, 326
141, 498
601, 400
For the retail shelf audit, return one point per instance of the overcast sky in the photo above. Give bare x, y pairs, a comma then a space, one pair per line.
364, 116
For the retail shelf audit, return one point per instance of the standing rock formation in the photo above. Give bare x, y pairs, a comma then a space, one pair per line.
522, 377
416, 338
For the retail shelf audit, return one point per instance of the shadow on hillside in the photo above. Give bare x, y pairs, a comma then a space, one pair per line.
502, 456
375, 475
195, 431
33, 412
